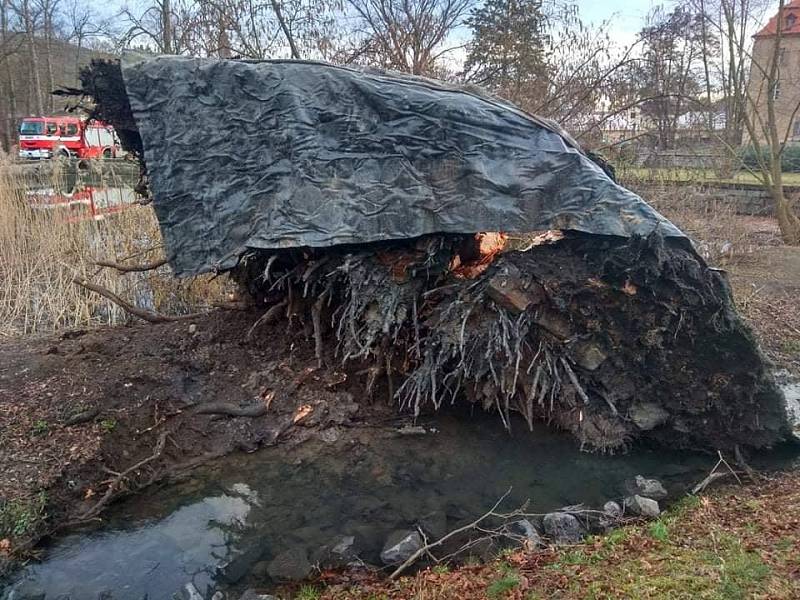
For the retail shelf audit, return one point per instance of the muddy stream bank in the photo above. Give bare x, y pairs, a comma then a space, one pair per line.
250, 520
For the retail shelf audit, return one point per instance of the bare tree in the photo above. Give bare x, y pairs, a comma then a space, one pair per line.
7, 48
164, 25
48, 9
82, 25
405, 35
588, 82
30, 22
754, 100
668, 73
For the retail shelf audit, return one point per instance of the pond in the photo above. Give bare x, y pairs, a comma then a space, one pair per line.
220, 528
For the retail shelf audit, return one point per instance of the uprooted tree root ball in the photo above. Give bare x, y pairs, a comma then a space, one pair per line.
610, 339
353, 213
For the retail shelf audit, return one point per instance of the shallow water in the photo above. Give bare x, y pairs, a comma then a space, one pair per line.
220, 528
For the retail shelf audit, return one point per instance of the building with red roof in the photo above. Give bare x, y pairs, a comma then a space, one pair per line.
784, 90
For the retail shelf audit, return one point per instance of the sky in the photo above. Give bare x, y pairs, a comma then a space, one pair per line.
626, 17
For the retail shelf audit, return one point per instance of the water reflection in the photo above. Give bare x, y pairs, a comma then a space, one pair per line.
146, 560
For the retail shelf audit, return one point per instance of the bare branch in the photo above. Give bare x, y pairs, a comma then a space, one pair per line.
151, 266
145, 315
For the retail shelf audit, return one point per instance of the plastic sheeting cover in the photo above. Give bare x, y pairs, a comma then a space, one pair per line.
282, 154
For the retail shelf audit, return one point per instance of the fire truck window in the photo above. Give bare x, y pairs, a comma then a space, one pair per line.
52, 128
72, 129
106, 139
92, 139
31, 128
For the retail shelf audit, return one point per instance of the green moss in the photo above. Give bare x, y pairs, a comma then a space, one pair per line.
18, 518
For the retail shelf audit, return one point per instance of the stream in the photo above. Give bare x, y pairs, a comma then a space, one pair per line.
220, 528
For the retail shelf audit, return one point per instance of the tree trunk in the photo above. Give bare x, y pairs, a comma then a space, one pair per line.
166, 27
788, 221
285, 28
12, 109
706, 73
79, 47
10, 112
48, 37
36, 87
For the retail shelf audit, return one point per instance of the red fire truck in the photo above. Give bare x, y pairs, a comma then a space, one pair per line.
56, 137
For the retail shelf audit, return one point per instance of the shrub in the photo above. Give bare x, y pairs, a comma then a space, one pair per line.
790, 158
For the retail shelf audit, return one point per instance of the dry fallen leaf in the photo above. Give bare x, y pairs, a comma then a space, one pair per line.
89, 493
629, 288
302, 412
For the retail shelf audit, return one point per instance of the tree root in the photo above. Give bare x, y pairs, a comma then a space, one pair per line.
271, 315
82, 417
151, 266
144, 314
231, 410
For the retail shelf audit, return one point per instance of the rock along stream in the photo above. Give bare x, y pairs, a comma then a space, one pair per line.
222, 527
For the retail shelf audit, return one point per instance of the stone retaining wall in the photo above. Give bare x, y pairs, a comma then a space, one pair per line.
745, 199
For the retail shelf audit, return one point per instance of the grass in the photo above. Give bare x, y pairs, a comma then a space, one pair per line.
499, 587
308, 592
672, 175
45, 244
508, 580
659, 530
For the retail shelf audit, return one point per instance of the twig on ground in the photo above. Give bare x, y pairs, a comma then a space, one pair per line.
714, 475
743, 464
112, 487
426, 548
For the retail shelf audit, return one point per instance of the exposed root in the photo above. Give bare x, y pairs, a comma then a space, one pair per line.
231, 410
145, 315
122, 268
581, 333
272, 314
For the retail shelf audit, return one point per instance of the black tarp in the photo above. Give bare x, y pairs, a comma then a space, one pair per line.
282, 154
